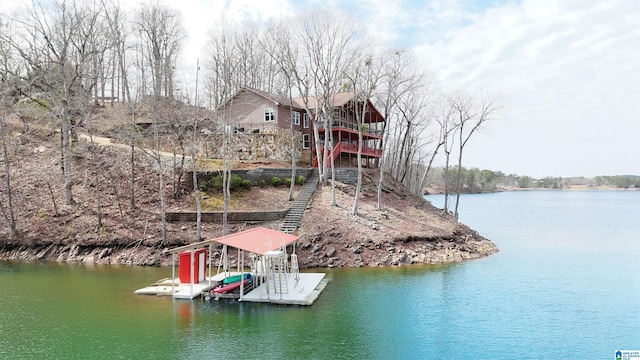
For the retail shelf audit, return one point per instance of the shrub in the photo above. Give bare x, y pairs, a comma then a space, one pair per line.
216, 182
301, 180
287, 181
276, 181
262, 183
235, 182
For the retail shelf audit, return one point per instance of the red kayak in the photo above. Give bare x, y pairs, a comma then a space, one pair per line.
229, 287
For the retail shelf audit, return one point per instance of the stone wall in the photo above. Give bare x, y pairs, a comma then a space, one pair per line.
235, 216
255, 144
347, 176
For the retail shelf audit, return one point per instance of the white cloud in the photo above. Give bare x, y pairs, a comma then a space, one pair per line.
568, 72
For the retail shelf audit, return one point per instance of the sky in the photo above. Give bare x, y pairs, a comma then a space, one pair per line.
567, 72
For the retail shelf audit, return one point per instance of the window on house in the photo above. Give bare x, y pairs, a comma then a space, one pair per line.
305, 122
306, 141
269, 114
296, 118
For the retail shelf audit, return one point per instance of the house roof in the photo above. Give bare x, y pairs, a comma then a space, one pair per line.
340, 100
282, 100
259, 240
337, 100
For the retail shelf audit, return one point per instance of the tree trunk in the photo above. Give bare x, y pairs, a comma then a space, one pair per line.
163, 205
196, 192
455, 210
356, 201
226, 181
66, 159
8, 212
293, 158
132, 162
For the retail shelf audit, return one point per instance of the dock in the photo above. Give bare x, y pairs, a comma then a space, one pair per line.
302, 291
275, 277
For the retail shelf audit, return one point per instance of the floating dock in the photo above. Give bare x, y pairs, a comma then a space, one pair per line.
302, 291
275, 273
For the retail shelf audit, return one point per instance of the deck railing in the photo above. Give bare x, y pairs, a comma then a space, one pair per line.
351, 126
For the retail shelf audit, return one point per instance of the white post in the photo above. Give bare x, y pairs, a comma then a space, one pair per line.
241, 273
192, 271
209, 264
173, 273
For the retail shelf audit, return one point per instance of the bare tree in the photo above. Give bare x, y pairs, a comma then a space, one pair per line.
327, 42
239, 56
54, 43
409, 118
226, 177
159, 158
472, 112
445, 128
396, 74
194, 147
117, 28
365, 76
161, 34
276, 44
449, 142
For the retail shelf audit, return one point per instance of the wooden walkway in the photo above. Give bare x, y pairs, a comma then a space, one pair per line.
292, 219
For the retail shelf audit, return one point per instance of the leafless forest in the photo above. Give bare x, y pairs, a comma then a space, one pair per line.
68, 65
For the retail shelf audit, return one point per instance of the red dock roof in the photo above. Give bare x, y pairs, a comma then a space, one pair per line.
258, 240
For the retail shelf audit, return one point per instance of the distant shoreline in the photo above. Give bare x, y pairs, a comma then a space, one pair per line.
573, 188
439, 191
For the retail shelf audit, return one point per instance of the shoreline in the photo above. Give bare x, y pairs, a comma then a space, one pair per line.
439, 191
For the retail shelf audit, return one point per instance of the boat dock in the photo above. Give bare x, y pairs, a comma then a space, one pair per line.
302, 291
275, 277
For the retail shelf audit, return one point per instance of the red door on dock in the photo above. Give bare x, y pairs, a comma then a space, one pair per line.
197, 266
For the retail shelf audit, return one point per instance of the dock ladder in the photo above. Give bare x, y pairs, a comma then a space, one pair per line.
295, 270
277, 274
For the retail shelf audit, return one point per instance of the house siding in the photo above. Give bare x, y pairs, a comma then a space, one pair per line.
245, 112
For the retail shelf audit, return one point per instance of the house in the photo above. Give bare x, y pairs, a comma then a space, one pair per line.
252, 111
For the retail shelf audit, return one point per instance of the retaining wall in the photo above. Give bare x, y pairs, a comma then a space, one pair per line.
235, 216
255, 175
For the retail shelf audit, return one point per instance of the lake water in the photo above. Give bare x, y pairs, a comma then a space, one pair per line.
566, 284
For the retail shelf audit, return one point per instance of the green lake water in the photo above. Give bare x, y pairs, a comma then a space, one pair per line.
566, 284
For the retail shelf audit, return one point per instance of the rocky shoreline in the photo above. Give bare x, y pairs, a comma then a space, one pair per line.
313, 253
407, 231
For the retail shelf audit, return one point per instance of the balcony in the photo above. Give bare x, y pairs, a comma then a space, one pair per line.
351, 129
353, 149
